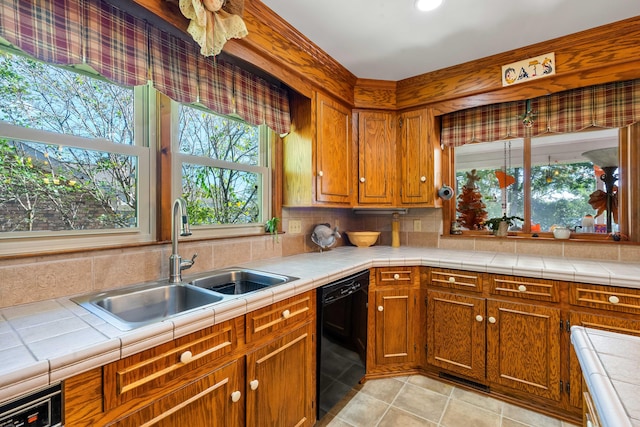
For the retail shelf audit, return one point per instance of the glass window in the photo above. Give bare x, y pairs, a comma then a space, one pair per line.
71, 161
225, 171
547, 181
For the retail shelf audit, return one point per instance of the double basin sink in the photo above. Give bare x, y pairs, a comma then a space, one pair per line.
139, 305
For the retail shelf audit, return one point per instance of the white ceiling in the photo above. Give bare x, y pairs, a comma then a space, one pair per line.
391, 40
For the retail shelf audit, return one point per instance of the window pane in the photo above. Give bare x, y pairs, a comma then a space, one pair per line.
563, 180
218, 137
53, 188
40, 96
221, 196
500, 176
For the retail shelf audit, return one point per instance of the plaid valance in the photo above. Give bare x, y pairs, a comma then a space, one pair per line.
129, 51
611, 105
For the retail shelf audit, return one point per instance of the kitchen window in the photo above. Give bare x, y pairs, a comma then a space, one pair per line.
225, 173
74, 159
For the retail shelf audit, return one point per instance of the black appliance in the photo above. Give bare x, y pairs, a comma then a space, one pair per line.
342, 343
39, 409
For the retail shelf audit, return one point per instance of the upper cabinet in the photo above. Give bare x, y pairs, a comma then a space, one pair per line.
418, 149
318, 154
376, 158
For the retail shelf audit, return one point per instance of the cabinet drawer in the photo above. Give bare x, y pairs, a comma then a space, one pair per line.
166, 366
397, 275
525, 288
605, 297
289, 312
456, 279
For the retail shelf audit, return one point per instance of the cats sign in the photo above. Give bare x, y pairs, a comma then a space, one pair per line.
529, 69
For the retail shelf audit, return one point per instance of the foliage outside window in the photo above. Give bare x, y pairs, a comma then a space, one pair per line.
70, 161
561, 180
225, 173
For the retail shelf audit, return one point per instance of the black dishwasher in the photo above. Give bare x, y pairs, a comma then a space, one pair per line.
342, 343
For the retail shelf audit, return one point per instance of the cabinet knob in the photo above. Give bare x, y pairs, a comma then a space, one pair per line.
452, 279
614, 299
362, 179
396, 276
479, 318
286, 314
492, 319
254, 384
380, 308
522, 288
320, 173
235, 396
186, 357
423, 179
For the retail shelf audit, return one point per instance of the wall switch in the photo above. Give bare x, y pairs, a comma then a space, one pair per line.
417, 225
295, 226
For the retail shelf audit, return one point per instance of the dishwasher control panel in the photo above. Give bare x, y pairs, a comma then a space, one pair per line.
39, 409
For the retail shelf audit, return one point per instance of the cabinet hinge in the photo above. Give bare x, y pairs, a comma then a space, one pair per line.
568, 388
568, 328
561, 325
426, 349
400, 122
561, 387
426, 299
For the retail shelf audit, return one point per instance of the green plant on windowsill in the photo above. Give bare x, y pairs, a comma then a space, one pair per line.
271, 226
494, 223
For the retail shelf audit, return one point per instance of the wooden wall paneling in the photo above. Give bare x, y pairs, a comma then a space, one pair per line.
603, 54
375, 94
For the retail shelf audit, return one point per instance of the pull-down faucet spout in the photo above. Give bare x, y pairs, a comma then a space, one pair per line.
180, 227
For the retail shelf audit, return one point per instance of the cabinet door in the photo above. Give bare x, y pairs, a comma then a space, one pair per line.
333, 152
376, 158
456, 333
393, 326
523, 347
280, 381
595, 321
417, 186
212, 400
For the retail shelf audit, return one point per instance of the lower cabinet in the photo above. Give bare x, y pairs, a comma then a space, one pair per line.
254, 370
280, 387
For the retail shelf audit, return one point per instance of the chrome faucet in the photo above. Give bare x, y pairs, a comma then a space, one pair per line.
180, 224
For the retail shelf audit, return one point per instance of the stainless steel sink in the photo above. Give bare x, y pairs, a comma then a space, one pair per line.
135, 306
238, 281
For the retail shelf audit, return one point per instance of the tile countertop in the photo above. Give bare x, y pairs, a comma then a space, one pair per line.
609, 363
45, 342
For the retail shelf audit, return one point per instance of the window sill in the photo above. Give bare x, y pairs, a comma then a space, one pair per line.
575, 237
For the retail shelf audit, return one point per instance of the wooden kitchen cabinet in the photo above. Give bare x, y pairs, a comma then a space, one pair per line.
280, 381
376, 158
418, 166
394, 320
318, 153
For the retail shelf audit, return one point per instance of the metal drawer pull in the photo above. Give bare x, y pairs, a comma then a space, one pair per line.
492, 319
286, 314
235, 396
186, 357
522, 288
614, 299
452, 279
479, 318
254, 384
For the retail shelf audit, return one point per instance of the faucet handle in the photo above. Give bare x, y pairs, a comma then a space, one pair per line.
184, 265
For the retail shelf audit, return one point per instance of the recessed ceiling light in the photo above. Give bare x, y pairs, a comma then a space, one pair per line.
427, 5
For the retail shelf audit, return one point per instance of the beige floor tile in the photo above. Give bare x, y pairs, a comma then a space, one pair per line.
421, 402
431, 384
461, 414
384, 389
478, 399
528, 417
363, 410
395, 417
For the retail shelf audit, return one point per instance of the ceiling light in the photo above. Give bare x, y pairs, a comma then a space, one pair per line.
427, 5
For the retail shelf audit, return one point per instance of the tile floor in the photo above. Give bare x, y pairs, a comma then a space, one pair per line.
420, 401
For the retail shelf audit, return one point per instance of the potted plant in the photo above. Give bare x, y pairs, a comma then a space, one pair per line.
271, 226
500, 225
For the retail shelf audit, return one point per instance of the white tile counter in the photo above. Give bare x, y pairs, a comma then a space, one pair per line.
45, 342
610, 365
